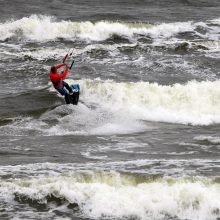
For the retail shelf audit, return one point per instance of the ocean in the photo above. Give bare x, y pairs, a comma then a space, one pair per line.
144, 141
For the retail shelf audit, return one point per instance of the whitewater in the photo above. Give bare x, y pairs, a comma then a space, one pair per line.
143, 142
45, 28
115, 195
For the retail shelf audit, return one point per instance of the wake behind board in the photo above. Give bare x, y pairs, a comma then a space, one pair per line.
74, 98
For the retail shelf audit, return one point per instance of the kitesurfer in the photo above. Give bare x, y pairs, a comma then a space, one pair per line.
57, 79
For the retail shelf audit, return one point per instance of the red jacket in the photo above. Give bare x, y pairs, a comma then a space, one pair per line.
56, 78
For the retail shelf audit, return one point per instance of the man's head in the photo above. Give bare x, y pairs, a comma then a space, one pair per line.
53, 69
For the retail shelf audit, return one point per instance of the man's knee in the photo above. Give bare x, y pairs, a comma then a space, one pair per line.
68, 87
62, 91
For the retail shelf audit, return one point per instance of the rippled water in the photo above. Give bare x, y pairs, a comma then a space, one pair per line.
143, 142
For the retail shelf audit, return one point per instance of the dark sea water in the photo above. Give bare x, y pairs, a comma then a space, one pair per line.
144, 141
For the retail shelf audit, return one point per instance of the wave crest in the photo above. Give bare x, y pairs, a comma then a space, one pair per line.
115, 195
44, 28
196, 103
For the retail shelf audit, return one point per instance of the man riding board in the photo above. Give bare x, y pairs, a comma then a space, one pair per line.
57, 79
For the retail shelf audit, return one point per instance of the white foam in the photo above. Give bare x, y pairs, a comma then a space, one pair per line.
121, 108
210, 139
43, 28
83, 120
194, 102
113, 195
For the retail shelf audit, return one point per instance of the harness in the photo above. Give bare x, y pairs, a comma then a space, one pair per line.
58, 84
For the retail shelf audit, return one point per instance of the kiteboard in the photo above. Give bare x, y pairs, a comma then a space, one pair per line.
73, 98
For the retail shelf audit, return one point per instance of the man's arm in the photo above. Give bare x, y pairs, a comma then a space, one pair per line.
63, 75
60, 65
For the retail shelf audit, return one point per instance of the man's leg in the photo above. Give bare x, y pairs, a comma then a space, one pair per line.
62, 91
68, 87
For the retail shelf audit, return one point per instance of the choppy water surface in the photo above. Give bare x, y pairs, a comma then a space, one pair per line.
143, 142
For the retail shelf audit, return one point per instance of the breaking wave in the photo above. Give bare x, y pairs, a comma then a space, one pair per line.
197, 103
45, 28
107, 107
117, 195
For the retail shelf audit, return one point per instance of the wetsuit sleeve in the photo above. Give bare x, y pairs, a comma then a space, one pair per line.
59, 65
64, 72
